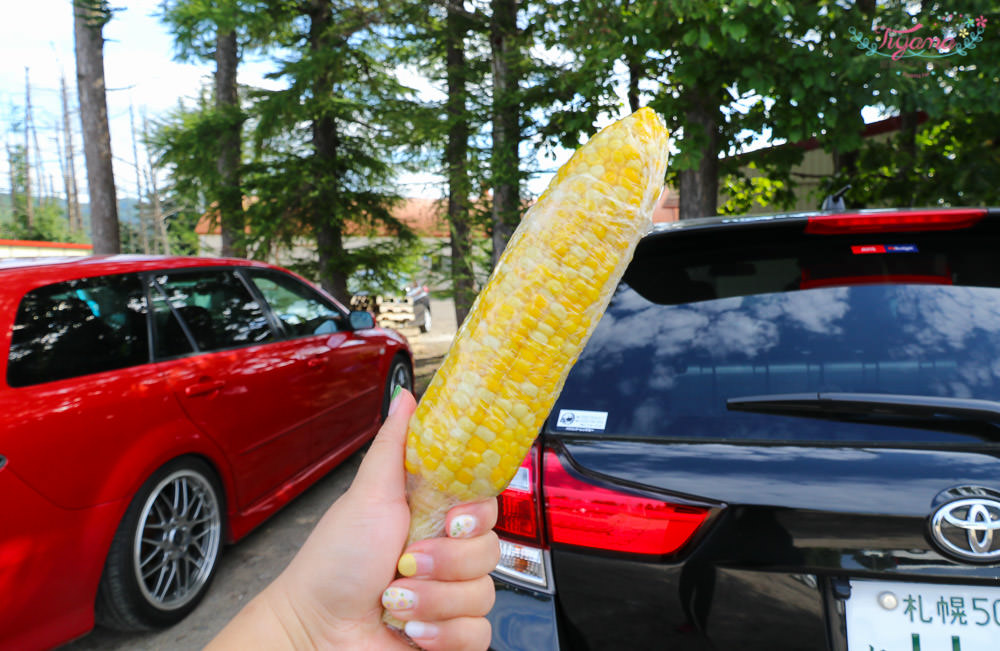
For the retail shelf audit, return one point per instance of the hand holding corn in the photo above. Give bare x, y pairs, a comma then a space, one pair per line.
510, 358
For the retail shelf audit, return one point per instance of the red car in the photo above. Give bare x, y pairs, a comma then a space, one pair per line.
155, 408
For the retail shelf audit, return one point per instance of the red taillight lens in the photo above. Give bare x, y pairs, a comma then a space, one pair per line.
582, 514
895, 222
517, 514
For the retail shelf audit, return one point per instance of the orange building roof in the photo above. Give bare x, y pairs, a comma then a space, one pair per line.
424, 216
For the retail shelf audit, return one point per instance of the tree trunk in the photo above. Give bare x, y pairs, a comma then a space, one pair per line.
325, 140
908, 122
456, 162
506, 117
633, 62
88, 24
230, 198
73, 195
13, 181
143, 226
699, 187
29, 206
159, 221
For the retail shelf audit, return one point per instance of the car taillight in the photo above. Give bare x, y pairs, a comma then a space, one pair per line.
517, 514
894, 222
522, 550
586, 515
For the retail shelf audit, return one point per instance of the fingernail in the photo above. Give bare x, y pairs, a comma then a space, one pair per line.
393, 402
398, 599
415, 564
462, 526
420, 630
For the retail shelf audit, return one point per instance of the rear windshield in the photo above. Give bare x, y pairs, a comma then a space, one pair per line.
696, 323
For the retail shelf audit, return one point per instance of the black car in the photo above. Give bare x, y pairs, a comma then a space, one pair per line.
783, 434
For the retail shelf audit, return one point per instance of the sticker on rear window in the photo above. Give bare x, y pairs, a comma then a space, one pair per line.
884, 248
575, 420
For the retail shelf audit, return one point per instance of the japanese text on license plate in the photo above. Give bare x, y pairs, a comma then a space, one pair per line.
898, 616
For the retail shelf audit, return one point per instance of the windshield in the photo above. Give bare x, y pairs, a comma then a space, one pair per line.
653, 368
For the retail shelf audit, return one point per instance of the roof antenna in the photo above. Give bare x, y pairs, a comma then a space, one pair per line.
835, 202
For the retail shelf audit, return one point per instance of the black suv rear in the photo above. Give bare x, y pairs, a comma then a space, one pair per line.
782, 435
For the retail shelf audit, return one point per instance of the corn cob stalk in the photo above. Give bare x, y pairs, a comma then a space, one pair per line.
510, 358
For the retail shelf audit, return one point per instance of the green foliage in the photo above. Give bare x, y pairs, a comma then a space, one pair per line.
49, 223
332, 178
182, 143
747, 192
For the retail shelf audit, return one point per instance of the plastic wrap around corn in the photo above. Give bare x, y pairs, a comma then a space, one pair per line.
510, 358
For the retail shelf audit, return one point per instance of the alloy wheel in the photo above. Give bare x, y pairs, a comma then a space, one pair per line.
177, 539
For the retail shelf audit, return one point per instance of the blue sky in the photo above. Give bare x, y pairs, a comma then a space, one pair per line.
140, 70
139, 67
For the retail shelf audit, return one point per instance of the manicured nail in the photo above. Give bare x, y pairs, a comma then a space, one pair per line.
415, 564
420, 630
462, 526
393, 401
398, 599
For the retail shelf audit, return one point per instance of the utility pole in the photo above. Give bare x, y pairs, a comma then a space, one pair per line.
29, 209
72, 192
143, 236
158, 219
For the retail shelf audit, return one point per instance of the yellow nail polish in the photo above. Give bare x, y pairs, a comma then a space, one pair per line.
407, 565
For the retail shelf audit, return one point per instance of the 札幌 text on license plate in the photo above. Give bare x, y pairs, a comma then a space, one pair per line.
897, 616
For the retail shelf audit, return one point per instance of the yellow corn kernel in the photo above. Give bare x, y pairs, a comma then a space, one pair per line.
510, 357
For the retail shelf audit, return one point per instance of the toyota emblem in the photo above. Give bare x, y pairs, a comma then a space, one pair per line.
968, 529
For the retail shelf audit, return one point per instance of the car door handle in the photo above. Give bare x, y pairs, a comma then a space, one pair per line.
316, 362
203, 387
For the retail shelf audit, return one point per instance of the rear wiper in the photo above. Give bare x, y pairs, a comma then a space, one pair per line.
931, 412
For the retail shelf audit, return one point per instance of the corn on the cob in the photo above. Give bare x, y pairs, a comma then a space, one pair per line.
510, 357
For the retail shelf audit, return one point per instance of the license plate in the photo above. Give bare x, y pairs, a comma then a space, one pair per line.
895, 616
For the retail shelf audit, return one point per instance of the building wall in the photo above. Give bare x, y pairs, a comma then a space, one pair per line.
33, 249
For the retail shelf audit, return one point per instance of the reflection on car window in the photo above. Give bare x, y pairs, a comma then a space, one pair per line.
678, 340
215, 309
77, 328
302, 310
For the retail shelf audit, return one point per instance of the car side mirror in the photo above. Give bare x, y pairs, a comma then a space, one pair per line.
361, 320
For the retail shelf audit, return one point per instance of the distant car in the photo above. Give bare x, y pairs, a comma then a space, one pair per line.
784, 434
154, 409
407, 304
421, 297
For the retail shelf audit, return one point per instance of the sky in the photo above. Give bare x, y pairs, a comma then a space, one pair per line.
140, 70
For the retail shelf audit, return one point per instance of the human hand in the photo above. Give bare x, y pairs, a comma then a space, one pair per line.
331, 594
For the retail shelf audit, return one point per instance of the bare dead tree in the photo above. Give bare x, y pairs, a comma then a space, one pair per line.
159, 220
29, 208
143, 226
72, 191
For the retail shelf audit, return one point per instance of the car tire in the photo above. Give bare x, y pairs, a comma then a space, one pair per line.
400, 374
166, 550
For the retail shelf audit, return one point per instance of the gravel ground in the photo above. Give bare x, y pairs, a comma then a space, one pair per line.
248, 566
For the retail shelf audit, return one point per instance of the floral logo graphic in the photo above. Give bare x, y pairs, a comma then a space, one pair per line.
958, 35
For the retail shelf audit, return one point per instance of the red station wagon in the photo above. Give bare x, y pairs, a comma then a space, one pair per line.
155, 408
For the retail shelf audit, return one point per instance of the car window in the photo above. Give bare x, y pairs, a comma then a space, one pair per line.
209, 310
683, 336
301, 310
78, 327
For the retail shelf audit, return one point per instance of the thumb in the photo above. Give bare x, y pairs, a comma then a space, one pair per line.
381, 475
